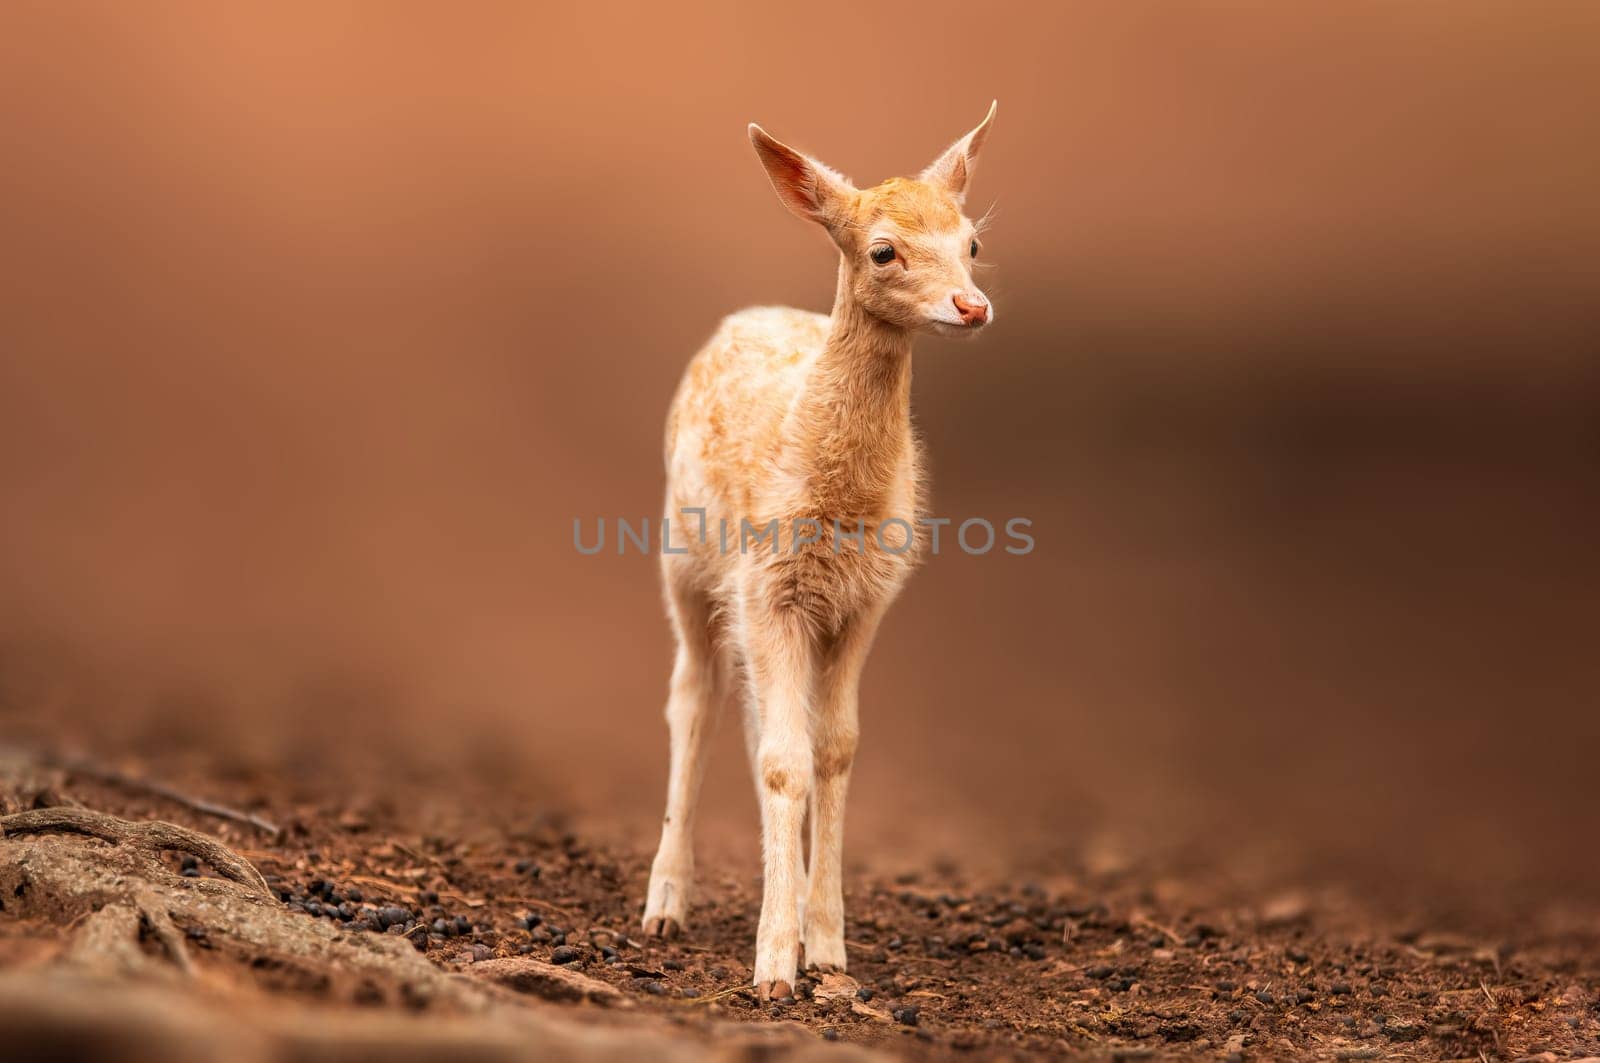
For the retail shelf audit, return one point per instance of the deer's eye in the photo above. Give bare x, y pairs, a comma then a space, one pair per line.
883, 254
974, 249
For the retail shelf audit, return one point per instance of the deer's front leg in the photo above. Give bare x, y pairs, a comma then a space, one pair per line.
782, 671
833, 743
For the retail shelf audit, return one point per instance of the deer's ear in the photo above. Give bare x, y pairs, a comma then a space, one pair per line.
952, 171
806, 187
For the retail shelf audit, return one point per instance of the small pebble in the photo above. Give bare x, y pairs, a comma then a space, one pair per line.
655, 988
906, 1016
392, 915
864, 994
481, 953
564, 954
1264, 996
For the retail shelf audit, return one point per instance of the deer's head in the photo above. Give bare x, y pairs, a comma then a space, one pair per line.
908, 249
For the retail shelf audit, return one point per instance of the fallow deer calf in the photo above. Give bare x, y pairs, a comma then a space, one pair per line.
804, 419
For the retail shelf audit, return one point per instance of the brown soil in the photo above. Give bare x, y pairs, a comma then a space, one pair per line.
1095, 959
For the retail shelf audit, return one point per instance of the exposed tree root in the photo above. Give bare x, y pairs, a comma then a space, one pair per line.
167, 793
154, 835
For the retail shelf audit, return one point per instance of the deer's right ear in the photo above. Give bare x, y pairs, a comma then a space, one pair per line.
806, 187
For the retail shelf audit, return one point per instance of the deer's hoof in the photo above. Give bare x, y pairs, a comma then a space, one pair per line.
775, 992
662, 926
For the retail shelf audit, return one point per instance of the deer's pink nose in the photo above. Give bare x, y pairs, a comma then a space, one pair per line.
973, 312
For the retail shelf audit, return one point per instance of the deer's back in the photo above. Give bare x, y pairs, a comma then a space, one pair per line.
726, 421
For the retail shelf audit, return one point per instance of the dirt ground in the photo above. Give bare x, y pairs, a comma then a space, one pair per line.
1097, 960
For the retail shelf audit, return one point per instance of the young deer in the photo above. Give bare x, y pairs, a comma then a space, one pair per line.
804, 419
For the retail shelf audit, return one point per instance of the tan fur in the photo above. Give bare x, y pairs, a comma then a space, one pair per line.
793, 416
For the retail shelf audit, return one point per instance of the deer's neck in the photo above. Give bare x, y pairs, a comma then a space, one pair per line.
854, 414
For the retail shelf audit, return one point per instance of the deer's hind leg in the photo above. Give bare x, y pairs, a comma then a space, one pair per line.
700, 684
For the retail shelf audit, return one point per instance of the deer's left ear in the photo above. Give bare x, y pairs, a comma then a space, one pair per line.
952, 171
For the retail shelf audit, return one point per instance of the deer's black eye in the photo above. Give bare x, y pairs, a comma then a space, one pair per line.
883, 254
974, 249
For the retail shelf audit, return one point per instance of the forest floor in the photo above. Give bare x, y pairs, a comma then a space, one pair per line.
526, 930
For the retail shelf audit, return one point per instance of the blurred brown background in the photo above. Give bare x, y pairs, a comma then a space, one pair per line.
319, 323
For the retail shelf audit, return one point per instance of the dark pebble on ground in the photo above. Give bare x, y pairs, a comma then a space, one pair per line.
1098, 971
1264, 996
864, 994
564, 954
655, 988
906, 1016
481, 953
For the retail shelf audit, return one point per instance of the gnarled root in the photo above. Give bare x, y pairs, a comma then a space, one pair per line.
154, 835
